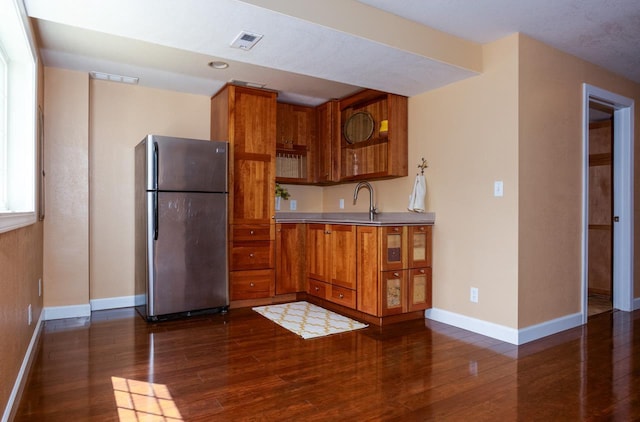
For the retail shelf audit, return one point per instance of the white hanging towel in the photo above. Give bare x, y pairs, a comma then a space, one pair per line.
416, 200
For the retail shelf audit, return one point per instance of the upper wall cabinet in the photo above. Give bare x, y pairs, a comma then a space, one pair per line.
295, 136
363, 136
373, 138
327, 147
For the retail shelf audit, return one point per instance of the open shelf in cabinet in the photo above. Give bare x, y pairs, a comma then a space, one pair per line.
384, 153
291, 163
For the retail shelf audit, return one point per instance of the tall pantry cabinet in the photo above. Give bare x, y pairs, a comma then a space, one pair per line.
246, 117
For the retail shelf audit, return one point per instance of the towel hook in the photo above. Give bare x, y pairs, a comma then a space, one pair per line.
422, 166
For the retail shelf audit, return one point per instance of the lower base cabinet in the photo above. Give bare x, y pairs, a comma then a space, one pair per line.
419, 289
251, 284
290, 258
392, 268
405, 291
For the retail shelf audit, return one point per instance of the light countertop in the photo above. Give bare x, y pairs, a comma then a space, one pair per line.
358, 218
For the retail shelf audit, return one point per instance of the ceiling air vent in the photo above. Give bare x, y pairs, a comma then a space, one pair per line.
246, 40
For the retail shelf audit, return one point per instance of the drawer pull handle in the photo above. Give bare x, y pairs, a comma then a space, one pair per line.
250, 255
251, 232
421, 271
396, 229
341, 296
396, 275
251, 284
317, 289
421, 229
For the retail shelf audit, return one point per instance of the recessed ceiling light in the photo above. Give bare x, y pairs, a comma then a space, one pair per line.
113, 78
219, 65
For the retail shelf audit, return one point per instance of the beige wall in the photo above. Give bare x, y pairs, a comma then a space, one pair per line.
66, 227
308, 198
121, 115
468, 132
550, 211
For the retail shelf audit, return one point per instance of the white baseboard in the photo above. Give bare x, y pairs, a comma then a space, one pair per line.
76, 311
489, 329
116, 302
23, 370
500, 332
72, 311
547, 328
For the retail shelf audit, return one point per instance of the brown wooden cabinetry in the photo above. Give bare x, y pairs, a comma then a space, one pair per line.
331, 267
419, 289
290, 258
327, 146
393, 292
419, 246
383, 154
246, 118
311, 146
367, 269
405, 263
389, 274
296, 134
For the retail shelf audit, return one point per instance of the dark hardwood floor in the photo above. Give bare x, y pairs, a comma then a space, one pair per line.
241, 366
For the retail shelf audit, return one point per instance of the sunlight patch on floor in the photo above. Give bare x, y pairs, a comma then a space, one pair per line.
143, 401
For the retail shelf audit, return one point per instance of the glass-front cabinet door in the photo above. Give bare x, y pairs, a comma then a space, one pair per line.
392, 248
419, 289
393, 285
419, 246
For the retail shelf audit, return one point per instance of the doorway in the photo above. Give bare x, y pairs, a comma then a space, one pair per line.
621, 186
600, 235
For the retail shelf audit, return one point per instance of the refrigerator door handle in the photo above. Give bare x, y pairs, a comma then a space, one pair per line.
156, 161
156, 223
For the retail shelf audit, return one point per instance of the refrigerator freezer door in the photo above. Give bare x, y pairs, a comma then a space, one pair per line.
188, 259
175, 164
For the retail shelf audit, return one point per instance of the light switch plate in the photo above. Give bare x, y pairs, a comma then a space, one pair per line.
498, 188
293, 205
341, 204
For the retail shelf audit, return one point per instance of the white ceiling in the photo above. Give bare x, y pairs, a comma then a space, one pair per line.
313, 51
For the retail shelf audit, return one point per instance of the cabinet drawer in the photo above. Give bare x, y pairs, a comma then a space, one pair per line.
251, 284
419, 291
345, 297
242, 232
318, 288
251, 255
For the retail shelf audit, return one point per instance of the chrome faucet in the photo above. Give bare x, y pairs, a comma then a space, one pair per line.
372, 208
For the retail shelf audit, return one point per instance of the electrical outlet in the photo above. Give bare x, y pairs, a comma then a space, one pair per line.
473, 295
341, 203
293, 205
39, 287
29, 315
498, 188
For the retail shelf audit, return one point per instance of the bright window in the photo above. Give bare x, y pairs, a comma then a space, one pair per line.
17, 118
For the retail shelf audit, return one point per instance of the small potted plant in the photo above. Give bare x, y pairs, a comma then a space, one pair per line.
281, 193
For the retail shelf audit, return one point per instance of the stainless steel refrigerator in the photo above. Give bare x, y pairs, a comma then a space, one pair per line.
180, 226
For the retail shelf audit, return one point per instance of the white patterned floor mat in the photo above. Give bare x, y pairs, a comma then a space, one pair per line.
308, 320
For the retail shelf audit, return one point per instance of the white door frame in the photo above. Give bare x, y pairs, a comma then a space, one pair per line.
622, 196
